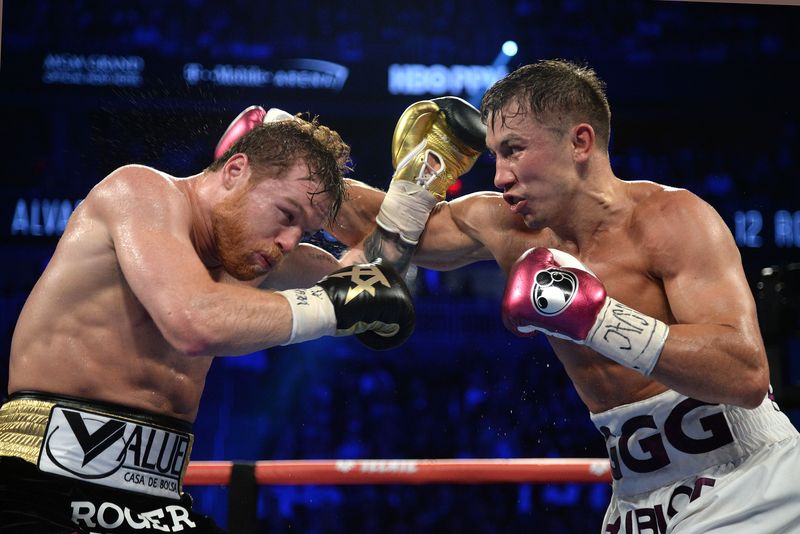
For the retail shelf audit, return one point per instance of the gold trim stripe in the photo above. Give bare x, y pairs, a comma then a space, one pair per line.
22, 426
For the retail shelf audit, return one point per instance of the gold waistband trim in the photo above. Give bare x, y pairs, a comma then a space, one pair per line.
22, 426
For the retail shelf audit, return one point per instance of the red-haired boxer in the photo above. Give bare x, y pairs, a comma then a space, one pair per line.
641, 292
153, 277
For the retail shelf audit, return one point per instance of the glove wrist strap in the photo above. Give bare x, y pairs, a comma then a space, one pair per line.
313, 315
405, 210
628, 337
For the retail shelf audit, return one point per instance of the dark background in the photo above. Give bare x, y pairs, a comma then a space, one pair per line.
703, 96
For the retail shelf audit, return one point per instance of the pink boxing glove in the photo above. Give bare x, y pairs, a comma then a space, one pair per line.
244, 122
559, 298
552, 292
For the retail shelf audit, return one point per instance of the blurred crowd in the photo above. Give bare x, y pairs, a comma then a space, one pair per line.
441, 32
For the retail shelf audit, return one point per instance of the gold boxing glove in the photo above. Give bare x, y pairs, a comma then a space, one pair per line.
448, 127
434, 142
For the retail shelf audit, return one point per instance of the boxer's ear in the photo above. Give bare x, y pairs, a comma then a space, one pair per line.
235, 170
583, 141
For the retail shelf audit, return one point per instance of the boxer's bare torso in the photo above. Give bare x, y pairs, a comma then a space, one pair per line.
84, 331
617, 259
651, 253
659, 250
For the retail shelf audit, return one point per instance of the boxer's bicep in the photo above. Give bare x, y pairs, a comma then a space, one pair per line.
701, 268
455, 234
148, 224
714, 350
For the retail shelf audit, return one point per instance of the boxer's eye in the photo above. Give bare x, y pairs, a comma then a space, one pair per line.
288, 216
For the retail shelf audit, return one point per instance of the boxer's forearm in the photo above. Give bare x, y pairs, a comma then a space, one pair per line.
355, 227
389, 248
714, 363
228, 320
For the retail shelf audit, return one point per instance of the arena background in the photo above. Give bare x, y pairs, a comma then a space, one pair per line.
703, 95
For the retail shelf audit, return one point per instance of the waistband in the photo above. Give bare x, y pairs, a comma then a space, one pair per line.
97, 443
670, 437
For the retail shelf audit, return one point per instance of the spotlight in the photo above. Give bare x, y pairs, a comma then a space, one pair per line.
510, 48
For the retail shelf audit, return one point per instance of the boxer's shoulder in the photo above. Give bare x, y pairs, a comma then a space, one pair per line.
661, 214
141, 178
672, 226
653, 201
133, 188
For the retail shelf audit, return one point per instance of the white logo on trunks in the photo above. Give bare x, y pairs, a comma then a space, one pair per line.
113, 452
553, 290
357, 275
171, 518
106, 436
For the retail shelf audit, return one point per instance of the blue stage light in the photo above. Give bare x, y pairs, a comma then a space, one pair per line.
510, 48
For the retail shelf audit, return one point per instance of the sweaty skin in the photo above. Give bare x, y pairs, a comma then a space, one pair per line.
660, 250
134, 303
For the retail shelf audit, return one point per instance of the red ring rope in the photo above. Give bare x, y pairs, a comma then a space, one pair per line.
539, 470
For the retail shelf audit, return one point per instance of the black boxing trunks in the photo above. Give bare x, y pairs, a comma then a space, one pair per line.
77, 465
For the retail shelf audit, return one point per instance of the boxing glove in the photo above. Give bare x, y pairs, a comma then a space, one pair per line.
369, 300
553, 292
243, 123
447, 130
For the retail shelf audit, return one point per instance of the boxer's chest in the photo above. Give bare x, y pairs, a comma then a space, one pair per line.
616, 259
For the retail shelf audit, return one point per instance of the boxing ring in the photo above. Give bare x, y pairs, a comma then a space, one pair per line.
243, 478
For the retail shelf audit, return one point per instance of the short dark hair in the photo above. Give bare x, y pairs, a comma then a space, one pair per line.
560, 93
279, 144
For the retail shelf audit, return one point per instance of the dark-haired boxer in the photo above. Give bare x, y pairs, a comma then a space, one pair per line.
111, 350
638, 286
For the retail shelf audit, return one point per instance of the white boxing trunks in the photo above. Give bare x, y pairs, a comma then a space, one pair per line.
684, 466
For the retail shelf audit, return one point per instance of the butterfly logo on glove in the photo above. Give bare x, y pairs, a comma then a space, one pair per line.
553, 290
